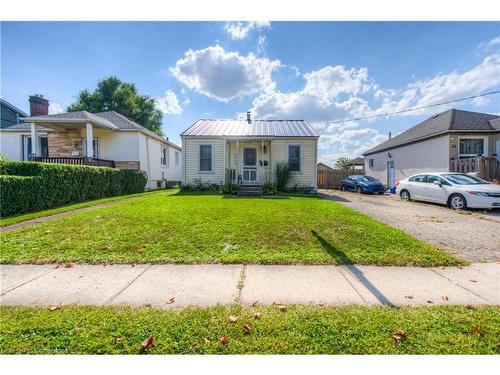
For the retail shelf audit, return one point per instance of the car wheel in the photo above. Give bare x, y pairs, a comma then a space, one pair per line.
359, 190
457, 202
405, 195
380, 192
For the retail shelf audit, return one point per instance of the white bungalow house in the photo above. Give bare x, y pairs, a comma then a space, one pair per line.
246, 152
117, 142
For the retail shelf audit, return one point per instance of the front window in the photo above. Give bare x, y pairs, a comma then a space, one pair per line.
463, 179
469, 148
205, 158
294, 158
43, 147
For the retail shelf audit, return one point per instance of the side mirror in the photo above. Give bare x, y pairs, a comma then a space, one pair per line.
438, 183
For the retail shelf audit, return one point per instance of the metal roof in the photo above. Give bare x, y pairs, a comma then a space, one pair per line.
453, 120
253, 128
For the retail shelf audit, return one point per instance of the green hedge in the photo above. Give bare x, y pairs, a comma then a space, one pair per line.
31, 186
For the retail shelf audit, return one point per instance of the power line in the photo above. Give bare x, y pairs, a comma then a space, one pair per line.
415, 108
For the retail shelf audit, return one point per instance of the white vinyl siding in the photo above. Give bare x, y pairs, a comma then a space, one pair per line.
431, 155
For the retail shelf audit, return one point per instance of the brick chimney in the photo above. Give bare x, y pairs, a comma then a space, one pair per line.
39, 106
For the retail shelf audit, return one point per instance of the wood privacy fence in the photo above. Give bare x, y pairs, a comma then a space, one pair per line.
486, 167
330, 178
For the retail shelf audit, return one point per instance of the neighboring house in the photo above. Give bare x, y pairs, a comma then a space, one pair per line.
117, 142
247, 151
357, 164
455, 141
10, 114
324, 167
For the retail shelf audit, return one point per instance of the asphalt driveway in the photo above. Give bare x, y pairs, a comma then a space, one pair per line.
471, 235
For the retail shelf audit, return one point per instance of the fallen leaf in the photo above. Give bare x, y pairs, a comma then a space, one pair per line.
233, 319
69, 264
320, 303
460, 266
429, 301
258, 315
207, 341
146, 344
474, 281
282, 307
170, 301
134, 264
444, 298
224, 340
409, 297
399, 335
57, 266
56, 307
247, 327
469, 306
106, 247
254, 303
477, 331
140, 250
118, 338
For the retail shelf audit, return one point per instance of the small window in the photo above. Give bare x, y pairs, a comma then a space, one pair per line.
205, 158
471, 147
164, 156
294, 158
370, 163
176, 158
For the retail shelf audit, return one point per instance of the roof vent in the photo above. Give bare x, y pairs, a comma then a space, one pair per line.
390, 135
249, 116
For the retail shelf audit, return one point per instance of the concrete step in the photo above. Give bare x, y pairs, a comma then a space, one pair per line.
250, 191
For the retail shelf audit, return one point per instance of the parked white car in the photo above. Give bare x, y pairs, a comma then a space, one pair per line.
457, 190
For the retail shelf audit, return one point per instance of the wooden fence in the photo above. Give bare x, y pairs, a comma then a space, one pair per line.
486, 167
330, 178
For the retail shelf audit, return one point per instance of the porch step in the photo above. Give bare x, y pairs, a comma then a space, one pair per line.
250, 191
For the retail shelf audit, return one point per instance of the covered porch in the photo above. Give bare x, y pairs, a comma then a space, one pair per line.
248, 161
67, 139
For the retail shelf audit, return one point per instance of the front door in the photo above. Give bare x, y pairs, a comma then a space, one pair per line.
391, 174
249, 165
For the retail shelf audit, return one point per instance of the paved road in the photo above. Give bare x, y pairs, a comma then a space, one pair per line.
207, 285
471, 235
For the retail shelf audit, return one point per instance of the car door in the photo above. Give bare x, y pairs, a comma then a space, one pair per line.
416, 186
350, 183
435, 193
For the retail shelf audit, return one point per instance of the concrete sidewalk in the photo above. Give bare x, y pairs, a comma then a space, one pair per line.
206, 285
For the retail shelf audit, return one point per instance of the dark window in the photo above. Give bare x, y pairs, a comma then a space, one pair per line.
419, 178
250, 156
294, 158
370, 163
163, 156
206, 158
471, 146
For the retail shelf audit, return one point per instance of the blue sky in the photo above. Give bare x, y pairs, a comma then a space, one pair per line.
317, 71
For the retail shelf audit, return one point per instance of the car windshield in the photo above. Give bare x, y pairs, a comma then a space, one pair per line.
463, 179
368, 178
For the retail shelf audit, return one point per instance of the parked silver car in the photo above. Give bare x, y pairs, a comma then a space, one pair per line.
456, 190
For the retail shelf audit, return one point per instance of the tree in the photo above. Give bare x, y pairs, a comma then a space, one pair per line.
342, 161
112, 94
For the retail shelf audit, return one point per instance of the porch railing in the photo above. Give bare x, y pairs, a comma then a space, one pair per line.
95, 162
485, 167
232, 177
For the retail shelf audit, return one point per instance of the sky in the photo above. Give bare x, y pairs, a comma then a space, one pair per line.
321, 72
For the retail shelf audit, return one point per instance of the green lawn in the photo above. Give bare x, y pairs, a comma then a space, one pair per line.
298, 330
52, 211
188, 228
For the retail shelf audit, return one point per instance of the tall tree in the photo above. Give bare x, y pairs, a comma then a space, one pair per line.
112, 94
342, 161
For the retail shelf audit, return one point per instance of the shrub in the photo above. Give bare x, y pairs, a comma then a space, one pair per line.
229, 188
269, 188
283, 175
33, 186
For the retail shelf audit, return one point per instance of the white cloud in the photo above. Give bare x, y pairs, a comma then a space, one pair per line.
240, 30
491, 43
169, 104
224, 75
481, 101
55, 108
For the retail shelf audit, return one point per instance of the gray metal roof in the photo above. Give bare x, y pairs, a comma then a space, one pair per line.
453, 120
254, 128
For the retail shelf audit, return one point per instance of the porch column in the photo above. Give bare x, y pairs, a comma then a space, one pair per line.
90, 137
34, 139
